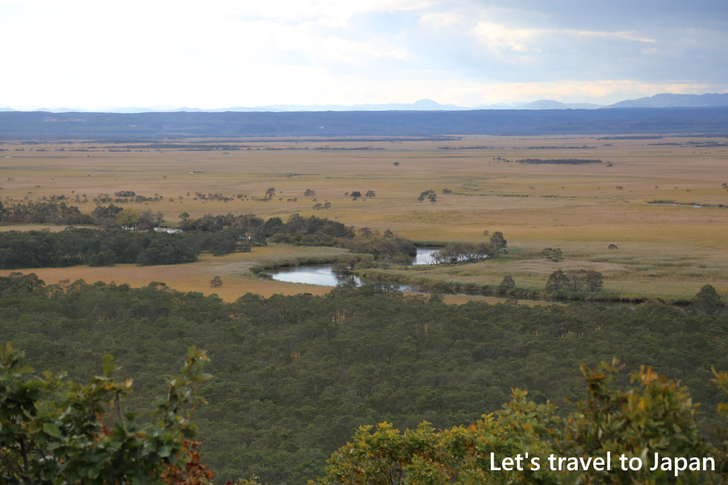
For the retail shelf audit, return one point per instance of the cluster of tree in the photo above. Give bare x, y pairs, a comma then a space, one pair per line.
463, 252
386, 247
222, 242
126, 198
106, 215
575, 280
247, 223
707, 300
43, 213
471, 252
428, 194
295, 376
216, 196
561, 161
356, 194
311, 231
114, 216
552, 254
72, 247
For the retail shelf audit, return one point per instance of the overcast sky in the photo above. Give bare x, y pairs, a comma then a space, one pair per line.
217, 53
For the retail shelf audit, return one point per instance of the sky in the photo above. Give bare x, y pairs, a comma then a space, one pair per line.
218, 53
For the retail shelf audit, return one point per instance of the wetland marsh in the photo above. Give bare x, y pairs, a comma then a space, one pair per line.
663, 251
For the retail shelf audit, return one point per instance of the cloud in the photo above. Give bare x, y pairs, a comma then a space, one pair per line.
223, 53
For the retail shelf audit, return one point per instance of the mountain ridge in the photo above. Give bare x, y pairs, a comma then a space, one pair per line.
664, 100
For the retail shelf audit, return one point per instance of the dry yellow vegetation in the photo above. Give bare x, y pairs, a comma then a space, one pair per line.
664, 250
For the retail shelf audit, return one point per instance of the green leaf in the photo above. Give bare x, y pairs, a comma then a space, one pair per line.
108, 365
52, 430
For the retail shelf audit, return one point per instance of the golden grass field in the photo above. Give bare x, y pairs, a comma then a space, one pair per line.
665, 251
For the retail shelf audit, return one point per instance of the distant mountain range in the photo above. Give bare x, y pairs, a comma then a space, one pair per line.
318, 124
675, 101
658, 101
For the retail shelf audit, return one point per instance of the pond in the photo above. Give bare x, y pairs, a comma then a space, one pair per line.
323, 274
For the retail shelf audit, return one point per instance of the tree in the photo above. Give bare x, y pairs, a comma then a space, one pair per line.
216, 282
184, 216
575, 280
498, 242
309, 193
366, 232
707, 300
270, 192
507, 284
128, 217
594, 281
557, 281
427, 194
356, 194
53, 430
552, 254
446, 191
370, 194
463, 252
103, 258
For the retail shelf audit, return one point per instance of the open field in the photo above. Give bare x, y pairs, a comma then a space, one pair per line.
665, 250
233, 269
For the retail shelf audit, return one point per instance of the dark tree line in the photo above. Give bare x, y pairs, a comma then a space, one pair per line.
471, 252
248, 223
73, 247
387, 247
43, 212
575, 281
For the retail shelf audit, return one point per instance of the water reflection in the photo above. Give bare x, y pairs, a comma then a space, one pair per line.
320, 274
424, 256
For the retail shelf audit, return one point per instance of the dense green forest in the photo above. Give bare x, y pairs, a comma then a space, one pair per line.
72, 247
220, 235
295, 376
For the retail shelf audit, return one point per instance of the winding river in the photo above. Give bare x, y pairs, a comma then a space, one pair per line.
324, 275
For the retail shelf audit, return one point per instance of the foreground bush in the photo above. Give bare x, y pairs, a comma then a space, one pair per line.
653, 422
54, 431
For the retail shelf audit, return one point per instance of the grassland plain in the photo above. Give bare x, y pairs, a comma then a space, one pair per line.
666, 250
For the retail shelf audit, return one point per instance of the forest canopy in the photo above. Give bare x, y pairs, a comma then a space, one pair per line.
295, 376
